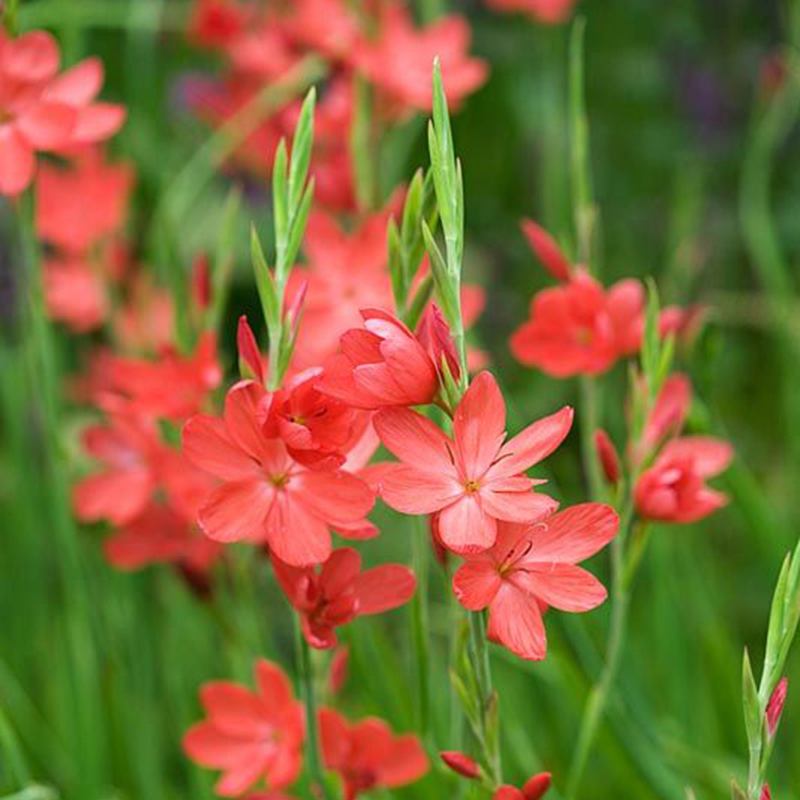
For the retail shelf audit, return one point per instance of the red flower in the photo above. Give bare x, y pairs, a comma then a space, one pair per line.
266, 496
216, 23
78, 207
130, 449
340, 591
475, 479
382, 364
532, 563
325, 26
550, 12
399, 61
674, 488
41, 111
368, 755
579, 328
534, 788
249, 735
346, 272
75, 293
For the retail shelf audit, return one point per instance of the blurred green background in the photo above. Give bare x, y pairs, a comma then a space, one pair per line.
697, 175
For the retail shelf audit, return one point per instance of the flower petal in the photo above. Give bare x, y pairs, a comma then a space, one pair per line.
414, 439
563, 586
574, 534
236, 511
207, 445
479, 425
17, 162
465, 527
412, 491
476, 583
515, 621
384, 588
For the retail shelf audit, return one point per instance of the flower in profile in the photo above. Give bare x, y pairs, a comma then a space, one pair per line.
367, 755
249, 735
534, 563
534, 788
549, 12
266, 496
674, 488
474, 479
382, 364
398, 61
41, 111
129, 449
340, 591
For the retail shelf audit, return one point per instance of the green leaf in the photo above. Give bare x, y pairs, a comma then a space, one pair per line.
651, 343
396, 266
299, 225
421, 299
280, 192
753, 716
446, 293
302, 145
224, 258
267, 292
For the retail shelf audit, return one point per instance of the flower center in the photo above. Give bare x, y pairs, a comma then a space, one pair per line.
472, 486
279, 481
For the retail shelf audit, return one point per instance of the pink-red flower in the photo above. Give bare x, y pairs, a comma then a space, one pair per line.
674, 488
266, 496
43, 111
398, 61
474, 479
340, 591
249, 735
535, 563
367, 755
381, 364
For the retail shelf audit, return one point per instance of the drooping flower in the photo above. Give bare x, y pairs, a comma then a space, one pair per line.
249, 735
340, 591
398, 61
474, 479
549, 12
367, 755
41, 111
266, 496
534, 788
383, 364
533, 563
674, 488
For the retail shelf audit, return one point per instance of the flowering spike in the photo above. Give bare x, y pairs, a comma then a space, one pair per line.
775, 706
461, 763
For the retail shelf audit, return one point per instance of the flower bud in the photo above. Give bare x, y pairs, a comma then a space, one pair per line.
607, 455
547, 251
537, 786
250, 364
766, 794
461, 763
340, 662
775, 705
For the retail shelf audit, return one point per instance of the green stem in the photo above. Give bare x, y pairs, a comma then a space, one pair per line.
599, 695
589, 422
420, 627
306, 675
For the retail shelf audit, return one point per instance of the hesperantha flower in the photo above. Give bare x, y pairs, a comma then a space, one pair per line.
367, 755
266, 496
674, 488
382, 364
249, 735
398, 60
41, 111
340, 591
534, 563
474, 479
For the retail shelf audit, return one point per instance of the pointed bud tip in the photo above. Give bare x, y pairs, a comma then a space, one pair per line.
461, 763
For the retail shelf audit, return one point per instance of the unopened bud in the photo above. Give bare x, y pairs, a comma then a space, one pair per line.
250, 364
201, 282
766, 794
537, 786
461, 763
547, 251
607, 455
775, 705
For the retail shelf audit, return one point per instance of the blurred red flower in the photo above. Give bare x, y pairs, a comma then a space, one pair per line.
550, 12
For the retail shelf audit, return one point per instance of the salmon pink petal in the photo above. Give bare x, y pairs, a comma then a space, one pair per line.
234, 710
465, 527
334, 738
246, 409
207, 445
533, 444
412, 491
371, 742
414, 439
562, 586
515, 621
709, 456
98, 122
517, 506
358, 531
669, 412
207, 745
274, 688
48, 125
476, 583
405, 763
296, 536
32, 57
236, 511
283, 771
384, 588
340, 571
334, 496
575, 533
17, 162
705, 502
116, 496
479, 425
79, 85
240, 777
